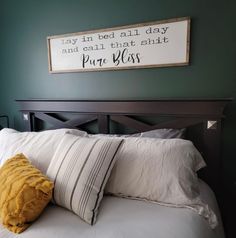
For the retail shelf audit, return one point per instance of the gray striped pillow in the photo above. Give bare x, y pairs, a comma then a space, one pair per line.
80, 169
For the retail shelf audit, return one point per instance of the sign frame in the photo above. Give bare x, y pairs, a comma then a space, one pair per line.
52, 41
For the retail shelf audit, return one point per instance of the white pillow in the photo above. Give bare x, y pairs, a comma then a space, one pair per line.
162, 133
159, 170
39, 147
80, 169
157, 133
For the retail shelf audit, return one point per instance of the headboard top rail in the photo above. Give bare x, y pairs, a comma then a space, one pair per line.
187, 107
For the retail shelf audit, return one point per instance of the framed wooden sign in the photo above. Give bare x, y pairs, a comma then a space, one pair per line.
154, 44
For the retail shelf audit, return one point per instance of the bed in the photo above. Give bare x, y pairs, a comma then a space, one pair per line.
127, 217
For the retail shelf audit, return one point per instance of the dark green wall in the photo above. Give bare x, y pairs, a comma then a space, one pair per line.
24, 73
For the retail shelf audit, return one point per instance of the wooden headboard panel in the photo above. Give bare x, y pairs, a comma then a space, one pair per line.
202, 118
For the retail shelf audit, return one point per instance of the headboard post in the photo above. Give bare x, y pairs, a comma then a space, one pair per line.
103, 124
212, 151
28, 121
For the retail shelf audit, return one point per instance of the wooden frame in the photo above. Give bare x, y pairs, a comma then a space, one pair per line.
201, 117
146, 45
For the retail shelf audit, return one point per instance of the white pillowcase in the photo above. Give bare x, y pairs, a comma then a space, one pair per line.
39, 147
156, 133
162, 133
80, 169
159, 170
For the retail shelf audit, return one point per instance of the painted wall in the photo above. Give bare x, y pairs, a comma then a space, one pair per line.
24, 73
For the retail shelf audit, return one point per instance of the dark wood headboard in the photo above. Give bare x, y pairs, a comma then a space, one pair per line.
201, 117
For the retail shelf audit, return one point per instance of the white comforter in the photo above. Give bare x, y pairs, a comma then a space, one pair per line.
124, 218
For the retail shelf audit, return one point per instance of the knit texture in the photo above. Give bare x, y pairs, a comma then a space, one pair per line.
24, 193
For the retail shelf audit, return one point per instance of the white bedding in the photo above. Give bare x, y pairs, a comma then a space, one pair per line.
124, 218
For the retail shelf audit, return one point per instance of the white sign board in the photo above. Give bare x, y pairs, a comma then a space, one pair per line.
154, 44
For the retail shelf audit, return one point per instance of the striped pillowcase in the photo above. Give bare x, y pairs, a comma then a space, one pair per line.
80, 169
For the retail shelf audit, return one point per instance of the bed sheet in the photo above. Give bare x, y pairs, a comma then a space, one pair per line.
125, 218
